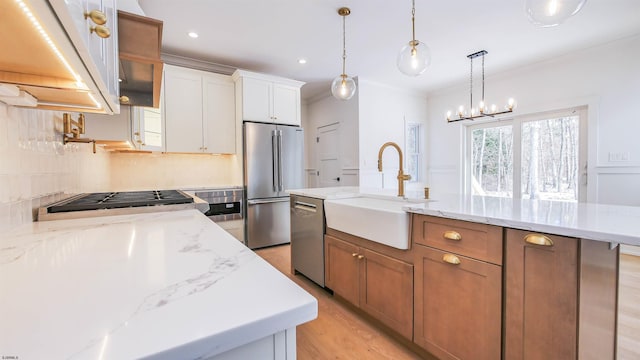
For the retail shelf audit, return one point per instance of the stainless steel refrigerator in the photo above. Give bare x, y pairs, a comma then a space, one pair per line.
273, 163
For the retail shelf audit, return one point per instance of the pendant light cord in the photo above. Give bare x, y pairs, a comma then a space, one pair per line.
471, 86
413, 23
483, 80
344, 46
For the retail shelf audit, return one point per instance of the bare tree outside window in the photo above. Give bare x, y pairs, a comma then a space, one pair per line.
548, 168
492, 159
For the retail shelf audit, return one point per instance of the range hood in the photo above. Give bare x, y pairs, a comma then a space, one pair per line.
140, 74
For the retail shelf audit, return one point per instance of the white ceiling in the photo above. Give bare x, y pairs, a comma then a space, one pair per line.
269, 36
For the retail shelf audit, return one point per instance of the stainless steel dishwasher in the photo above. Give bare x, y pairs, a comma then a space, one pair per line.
307, 237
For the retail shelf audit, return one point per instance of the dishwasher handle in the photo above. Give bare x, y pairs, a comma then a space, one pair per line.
304, 206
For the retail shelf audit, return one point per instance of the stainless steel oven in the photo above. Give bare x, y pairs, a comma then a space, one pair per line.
226, 208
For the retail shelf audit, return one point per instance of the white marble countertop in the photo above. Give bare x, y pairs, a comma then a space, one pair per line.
609, 223
170, 285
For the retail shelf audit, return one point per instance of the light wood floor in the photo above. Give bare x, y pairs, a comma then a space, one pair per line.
629, 308
337, 333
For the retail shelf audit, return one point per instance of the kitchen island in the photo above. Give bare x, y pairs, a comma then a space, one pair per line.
162, 285
613, 224
544, 274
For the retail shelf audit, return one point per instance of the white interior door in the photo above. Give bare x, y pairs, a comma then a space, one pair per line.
328, 162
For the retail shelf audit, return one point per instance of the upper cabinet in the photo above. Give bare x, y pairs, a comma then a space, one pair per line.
199, 111
266, 98
65, 57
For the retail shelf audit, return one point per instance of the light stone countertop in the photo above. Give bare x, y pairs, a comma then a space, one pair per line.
168, 285
609, 223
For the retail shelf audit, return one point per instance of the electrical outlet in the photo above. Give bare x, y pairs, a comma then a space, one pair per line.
619, 156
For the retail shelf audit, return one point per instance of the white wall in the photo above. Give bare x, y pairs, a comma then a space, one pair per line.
326, 111
375, 115
606, 78
383, 113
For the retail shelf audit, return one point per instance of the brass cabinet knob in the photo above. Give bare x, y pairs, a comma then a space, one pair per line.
452, 235
451, 259
538, 239
97, 16
354, 254
100, 30
124, 99
360, 257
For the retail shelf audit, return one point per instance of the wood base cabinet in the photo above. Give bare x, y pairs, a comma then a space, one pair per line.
457, 305
378, 284
458, 288
541, 296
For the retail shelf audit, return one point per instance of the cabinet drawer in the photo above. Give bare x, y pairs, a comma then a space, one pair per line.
478, 241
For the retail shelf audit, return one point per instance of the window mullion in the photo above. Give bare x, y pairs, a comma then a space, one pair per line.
517, 159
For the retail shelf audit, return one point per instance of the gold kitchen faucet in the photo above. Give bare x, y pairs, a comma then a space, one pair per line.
401, 175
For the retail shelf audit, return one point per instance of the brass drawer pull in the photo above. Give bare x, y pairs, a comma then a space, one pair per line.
452, 235
360, 257
354, 254
538, 239
451, 259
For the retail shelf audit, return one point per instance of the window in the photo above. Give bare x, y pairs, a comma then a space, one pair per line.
152, 127
492, 161
147, 126
412, 151
536, 157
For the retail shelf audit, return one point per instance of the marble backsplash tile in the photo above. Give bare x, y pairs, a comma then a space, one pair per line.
36, 169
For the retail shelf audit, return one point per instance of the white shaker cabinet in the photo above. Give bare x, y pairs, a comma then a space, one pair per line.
266, 98
97, 24
199, 111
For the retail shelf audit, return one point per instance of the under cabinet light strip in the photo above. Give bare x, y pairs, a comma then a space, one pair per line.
79, 82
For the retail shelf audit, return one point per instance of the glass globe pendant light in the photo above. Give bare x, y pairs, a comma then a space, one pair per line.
414, 57
547, 13
343, 87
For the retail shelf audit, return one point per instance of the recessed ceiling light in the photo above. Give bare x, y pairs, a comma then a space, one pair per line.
302, 61
193, 34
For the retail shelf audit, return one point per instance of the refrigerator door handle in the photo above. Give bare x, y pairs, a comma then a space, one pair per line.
280, 186
275, 159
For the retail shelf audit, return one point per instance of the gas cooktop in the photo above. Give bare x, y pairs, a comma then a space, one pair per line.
116, 203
